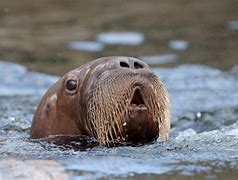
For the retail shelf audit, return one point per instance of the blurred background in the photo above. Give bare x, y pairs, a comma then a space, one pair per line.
54, 36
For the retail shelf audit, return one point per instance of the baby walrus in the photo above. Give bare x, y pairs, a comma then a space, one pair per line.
113, 99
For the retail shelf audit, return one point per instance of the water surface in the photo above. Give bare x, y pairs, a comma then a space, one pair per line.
203, 140
38, 34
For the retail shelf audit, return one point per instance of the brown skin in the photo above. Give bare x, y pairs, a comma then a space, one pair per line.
112, 99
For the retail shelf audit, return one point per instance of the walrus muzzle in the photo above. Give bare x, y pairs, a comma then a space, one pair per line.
129, 107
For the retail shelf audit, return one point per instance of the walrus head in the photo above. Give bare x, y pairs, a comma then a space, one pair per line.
114, 99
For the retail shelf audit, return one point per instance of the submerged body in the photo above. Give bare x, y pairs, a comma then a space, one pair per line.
114, 99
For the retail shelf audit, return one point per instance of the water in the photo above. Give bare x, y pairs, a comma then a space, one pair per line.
90, 46
121, 38
179, 45
233, 24
39, 35
17, 80
203, 138
108, 38
159, 59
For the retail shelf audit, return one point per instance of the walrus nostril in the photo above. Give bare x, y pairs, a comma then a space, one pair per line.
137, 98
124, 64
137, 65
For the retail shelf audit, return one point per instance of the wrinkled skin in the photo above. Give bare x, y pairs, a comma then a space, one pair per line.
114, 99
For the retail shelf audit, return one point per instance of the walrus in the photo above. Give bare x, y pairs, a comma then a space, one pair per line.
113, 99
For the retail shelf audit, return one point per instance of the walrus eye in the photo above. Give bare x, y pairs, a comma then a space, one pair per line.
71, 84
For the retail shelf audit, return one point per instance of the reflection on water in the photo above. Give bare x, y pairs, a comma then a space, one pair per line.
108, 38
122, 38
159, 59
179, 45
90, 46
233, 24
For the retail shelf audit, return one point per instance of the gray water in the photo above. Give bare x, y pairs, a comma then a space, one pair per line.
203, 140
